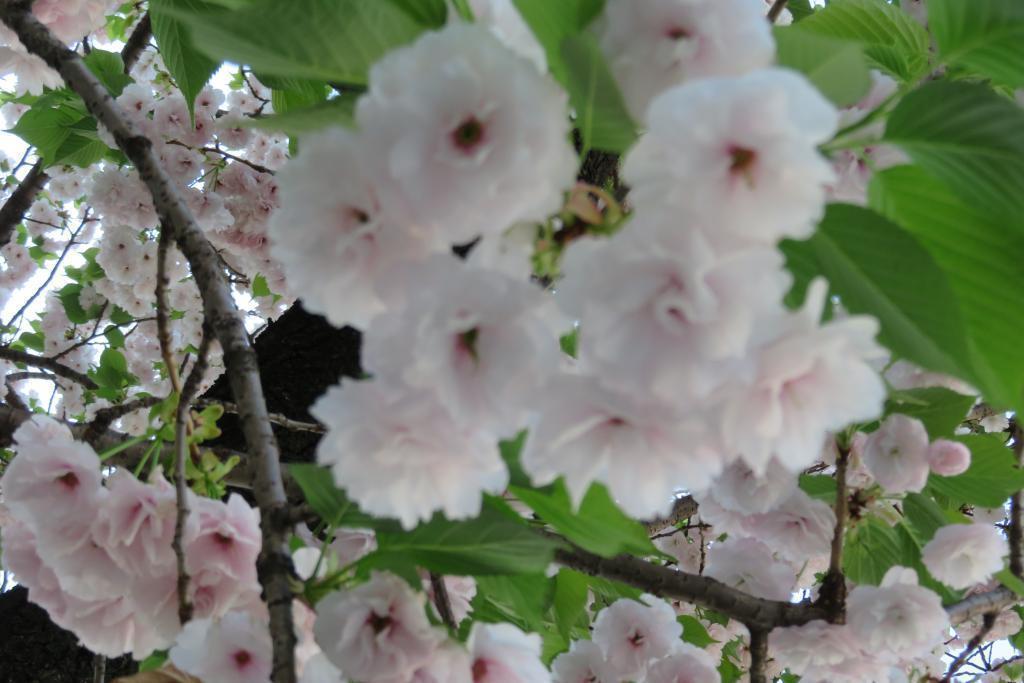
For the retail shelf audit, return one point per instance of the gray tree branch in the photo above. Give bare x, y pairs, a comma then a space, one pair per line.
274, 565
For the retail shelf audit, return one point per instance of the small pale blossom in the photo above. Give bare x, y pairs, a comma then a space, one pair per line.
961, 555
749, 565
686, 663
233, 649
376, 631
501, 653
400, 453
583, 663
800, 528
897, 454
948, 458
504, 21
632, 634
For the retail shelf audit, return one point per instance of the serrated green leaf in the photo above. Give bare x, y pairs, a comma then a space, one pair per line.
969, 137
984, 36
878, 268
108, 67
602, 118
553, 22
836, 67
330, 502
892, 40
430, 13
328, 40
599, 526
338, 111
524, 597
569, 600
983, 258
189, 66
694, 631
869, 550
819, 486
940, 410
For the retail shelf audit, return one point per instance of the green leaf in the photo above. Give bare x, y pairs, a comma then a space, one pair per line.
300, 95
109, 68
819, 486
339, 111
599, 526
569, 600
967, 136
870, 549
488, 545
924, 516
61, 131
836, 67
189, 67
553, 22
430, 13
330, 502
524, 598
601, 115
114, 337
892, 40
1006, 578
327, 40
510, 451
941, 410
983, 259
260, 286
983, 36
68, 296
694, 631
992, 477
878, 268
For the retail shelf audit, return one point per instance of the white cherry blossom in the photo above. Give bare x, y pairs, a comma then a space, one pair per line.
632, 634
897, 454
961, 555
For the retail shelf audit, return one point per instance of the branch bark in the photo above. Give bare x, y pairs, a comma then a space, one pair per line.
45, 363
758, 655
274, 566
756, 613
682, 509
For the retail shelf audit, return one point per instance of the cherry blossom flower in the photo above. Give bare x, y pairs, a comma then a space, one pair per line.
652, 45
897, 454
449, 663
400, 453
641, 449
686, 663
800, 527
233, 649
897, 619
748, 564
505, 22
583, 663
632, 634
468, 137
740, 490
948, 458
738, 154
475, 337
501, 653
961, 555
376, 631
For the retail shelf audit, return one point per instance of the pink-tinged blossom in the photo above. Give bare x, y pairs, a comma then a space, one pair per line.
811, 380
467, 137
474, 336
948, 458
221, 559
233, 649
583, 663
653, 45
376, 631
72, 20
738, 154
449, 663
820, 652
961, 555
501, 653
686, 548
738, 489
461, 590
633, 634
686, 664
897, 454
643, 450
801, 528
400, 453
661, 312
898, 619
749, 565
333, 235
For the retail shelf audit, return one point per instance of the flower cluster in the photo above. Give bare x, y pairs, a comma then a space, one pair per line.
98, 555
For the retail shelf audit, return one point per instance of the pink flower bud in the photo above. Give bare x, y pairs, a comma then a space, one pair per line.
948, 458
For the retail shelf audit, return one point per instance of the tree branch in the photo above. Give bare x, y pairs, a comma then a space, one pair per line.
833, 588
137, 42
776, 10
1015, 534
682, 509
274, 566
988, 621
982, 603
756, 613
54, 366
442, 602
758, 654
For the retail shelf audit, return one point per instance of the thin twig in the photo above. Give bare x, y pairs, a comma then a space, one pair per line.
776, 10
274, 566
988, 621
442, 601
833, 587
276, 418
99, 669
682, 509
46, 363
1015, 534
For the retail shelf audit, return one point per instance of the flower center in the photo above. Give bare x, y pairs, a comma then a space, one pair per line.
378, 622
223, 540
466, 343
677, 33
742, 160
468, 134
479, 670
242, 658
69, 480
